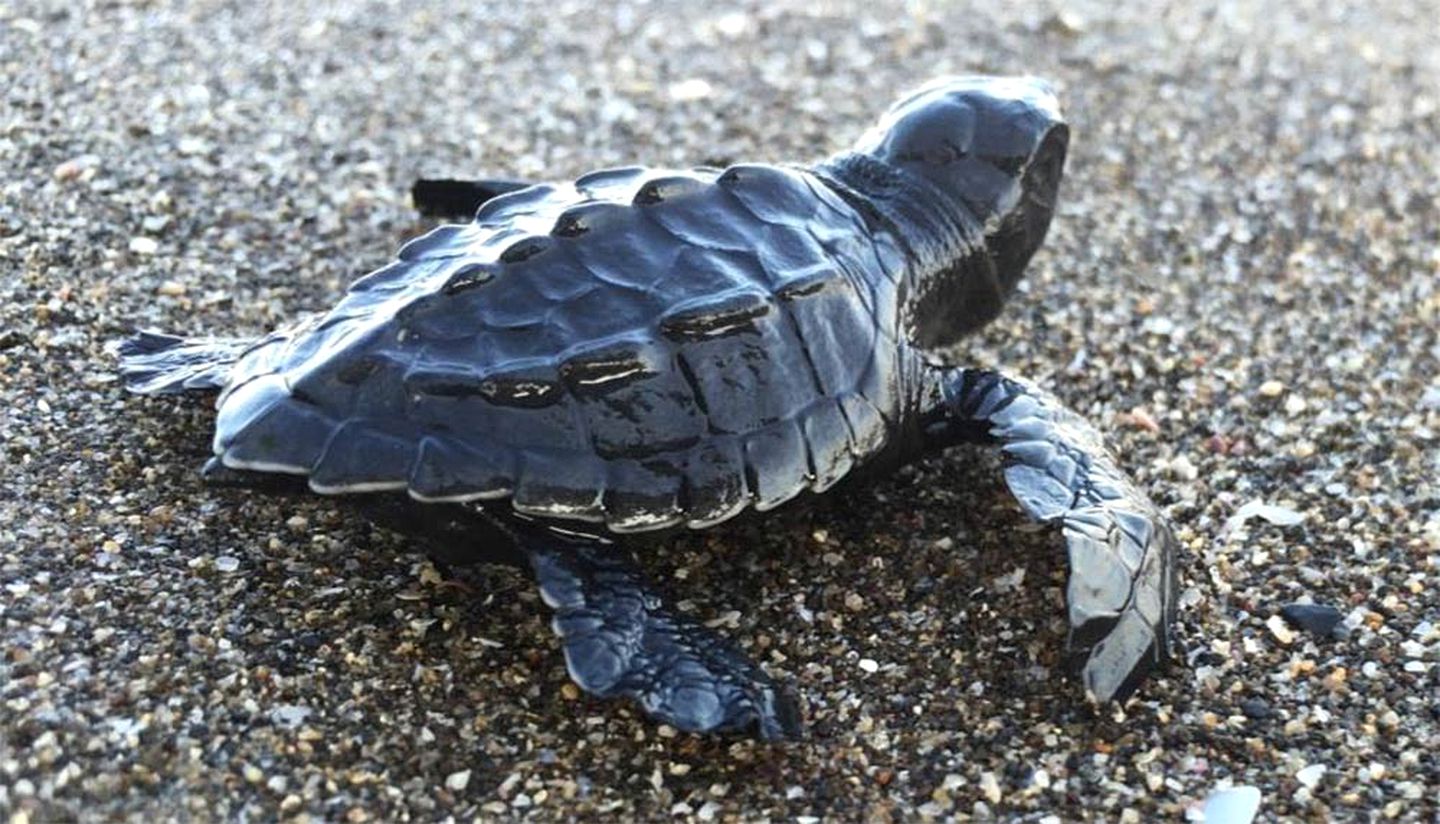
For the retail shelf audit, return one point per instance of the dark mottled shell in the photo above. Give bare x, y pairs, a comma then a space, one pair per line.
641, 348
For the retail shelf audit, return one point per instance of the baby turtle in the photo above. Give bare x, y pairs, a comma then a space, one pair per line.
643, 349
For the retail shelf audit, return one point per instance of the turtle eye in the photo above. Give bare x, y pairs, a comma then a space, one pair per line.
944, 152
1011, 165
935, 133
934, 154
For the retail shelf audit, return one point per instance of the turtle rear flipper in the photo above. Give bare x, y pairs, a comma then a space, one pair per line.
153, 363
459, 198
622, 639
1122, 590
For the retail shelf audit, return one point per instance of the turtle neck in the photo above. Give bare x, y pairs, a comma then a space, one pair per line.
937, 229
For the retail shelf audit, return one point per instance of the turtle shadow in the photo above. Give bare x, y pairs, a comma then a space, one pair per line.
905, 613
893, 608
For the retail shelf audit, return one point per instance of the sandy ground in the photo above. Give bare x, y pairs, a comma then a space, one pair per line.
1241, 286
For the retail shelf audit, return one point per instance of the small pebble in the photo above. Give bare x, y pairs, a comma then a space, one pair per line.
1184, 469
1310, 775
1318, 619
1141, 419
1256, 708
69, 170
82, 169
1277, 515
144, 245
1430, 399
1229, 805
686, 91
1281, 632
290, 715
990, 787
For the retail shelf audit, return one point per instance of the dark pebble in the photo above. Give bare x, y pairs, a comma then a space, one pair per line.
1316, 618
1256, 708
10, 338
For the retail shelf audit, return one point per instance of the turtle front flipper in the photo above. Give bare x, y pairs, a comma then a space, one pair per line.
622, 639
459, 198
1122, 588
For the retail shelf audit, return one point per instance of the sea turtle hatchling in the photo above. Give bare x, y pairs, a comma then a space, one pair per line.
643, 349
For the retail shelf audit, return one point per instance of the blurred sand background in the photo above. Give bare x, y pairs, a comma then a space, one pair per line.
1240, 286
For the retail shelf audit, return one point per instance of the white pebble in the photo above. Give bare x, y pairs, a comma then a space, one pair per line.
990, 787
1431, 398
1280, 630
457, 781
1310, 775
687, 90
144, 245
1277, 515
290, 715
1184, 469
733, 24
1229, 805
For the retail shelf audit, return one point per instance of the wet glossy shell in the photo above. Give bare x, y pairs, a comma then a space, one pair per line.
641, 347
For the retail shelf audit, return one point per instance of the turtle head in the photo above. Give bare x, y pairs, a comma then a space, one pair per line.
967, 169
